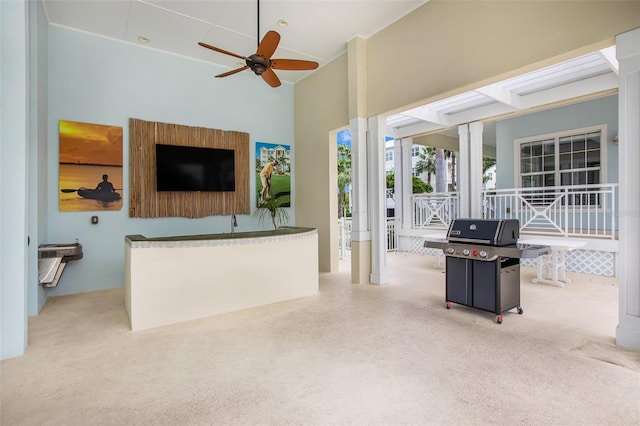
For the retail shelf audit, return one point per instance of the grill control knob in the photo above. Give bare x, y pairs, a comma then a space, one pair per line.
450, 250
465, 252
483, 253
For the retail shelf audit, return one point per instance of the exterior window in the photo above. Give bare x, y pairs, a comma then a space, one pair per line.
562, 159
415, 150
388, 154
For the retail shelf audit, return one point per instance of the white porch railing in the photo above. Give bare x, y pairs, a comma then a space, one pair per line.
588, 211
344, 236
392, 235
580, 210
434, 210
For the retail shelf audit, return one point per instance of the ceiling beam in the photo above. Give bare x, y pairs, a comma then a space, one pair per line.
609, 56
417, 129
576, 89
428, 114
481, 113
502, 95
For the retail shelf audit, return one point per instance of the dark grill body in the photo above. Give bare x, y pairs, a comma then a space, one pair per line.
483, 264
491, 232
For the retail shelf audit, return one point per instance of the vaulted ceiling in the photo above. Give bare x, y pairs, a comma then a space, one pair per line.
318, 30
315, 30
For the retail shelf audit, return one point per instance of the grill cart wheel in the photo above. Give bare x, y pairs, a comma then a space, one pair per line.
520, 310
448, 305
499, 319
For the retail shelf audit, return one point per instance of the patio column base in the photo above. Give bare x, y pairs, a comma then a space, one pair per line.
360, 261
628, 337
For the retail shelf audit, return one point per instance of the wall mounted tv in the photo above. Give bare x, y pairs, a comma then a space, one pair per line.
187, 168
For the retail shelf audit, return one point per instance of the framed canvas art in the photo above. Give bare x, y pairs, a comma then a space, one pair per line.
90, 160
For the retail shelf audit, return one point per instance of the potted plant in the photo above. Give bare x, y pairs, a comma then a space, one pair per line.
271, 208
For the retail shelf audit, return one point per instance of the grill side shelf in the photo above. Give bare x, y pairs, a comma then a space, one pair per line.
533, 250
434, 244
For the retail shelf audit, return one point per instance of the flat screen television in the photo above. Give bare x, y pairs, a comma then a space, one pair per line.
187, 168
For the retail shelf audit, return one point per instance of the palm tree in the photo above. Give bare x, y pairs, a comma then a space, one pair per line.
487, 163
283, 164
426, 162
344, 177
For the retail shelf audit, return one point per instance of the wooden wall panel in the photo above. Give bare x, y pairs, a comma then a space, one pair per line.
145, 201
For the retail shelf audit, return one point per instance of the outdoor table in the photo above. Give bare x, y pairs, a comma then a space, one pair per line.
551, 269
440, 237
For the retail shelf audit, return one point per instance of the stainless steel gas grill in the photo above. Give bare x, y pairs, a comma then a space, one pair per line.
483, 263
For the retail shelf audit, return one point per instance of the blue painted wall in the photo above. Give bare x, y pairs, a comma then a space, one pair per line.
38, 149
14, 187
590, 113
101, 81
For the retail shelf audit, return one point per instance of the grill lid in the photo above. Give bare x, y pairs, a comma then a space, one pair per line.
493, 232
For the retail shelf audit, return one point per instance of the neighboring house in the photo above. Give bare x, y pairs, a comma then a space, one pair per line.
415, 157
490, 176
279, 153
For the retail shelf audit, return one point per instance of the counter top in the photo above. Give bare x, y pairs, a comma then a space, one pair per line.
217, 239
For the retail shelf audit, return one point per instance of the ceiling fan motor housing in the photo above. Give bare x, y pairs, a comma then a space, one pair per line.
258, 64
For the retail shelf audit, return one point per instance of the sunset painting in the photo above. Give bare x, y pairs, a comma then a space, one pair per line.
90, 167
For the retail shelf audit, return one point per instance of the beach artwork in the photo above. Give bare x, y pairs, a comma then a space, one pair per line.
273, 173
90, 167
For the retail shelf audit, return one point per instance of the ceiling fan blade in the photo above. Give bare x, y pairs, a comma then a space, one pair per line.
271, 78
268, 45
233, 71
217, 49
293, 64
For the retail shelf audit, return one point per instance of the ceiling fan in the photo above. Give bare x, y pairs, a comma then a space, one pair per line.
261, 63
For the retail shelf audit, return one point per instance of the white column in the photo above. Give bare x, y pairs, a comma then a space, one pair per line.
628, 52
463, 171
360, 231
398, 183
359, 194
407, 184
377, 200
475, 169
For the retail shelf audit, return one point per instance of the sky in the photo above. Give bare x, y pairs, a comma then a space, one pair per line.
344, 137
87, 143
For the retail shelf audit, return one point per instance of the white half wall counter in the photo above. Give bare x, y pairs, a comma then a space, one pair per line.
181, 278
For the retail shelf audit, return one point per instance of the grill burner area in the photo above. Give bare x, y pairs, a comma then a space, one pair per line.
483, 264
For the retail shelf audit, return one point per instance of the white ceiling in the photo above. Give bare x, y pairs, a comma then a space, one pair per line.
319, 30
577, 78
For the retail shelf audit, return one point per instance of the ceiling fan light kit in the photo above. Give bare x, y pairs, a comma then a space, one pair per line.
261, 63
